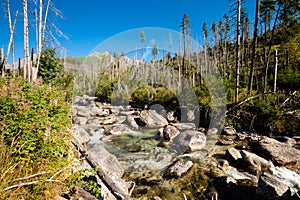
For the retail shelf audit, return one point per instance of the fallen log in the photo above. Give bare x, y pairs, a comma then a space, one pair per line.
108, 182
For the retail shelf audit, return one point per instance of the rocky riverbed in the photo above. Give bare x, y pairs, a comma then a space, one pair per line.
151, 155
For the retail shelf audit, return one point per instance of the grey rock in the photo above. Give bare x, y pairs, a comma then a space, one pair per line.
108, 162
253, 163
287, 177
170, 132
229, 131
212, 131
81, 135
233, 155
170, 116
118, 129
79, 120
180, 168
189, 141
280, 153
109, 121
241, 136
84, 112
94, 121
184, 126
152, 119
227, 142
270, 187
130, 121
287, 140
190, 116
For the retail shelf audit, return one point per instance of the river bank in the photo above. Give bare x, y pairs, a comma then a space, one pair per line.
151, 155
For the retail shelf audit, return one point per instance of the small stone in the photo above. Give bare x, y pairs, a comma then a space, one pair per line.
93, 121
229, 131
241, 137
201, 129
130, 121
180, 168
230, 180
253, 138
79, 120
109, 121
212, 131
170, 116
189, 141
184, 126
227, 142
170, 132
223, 163
119, 129
155, 198
233, 155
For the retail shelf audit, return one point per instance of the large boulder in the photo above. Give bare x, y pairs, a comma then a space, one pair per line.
81, 135
253, 163
189, 141
270, 187
280, 153
152, 119
110, 164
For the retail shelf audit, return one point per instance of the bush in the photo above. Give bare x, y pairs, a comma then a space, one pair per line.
33, 134
267, 116
52, 72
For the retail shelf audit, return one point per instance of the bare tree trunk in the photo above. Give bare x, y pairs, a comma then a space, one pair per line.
2, 61
25, 62
13, 59
250, 85
275, 73
41, 32
225, 52
19, 67
237, 61
12, 30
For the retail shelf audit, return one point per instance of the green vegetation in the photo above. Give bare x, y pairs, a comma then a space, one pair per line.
52, 72
85, 179
33, 138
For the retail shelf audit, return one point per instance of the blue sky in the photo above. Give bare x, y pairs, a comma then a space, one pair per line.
87, 23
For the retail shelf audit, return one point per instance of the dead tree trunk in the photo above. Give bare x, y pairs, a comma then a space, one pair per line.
275, 73
26, 73
237, 61
254, 47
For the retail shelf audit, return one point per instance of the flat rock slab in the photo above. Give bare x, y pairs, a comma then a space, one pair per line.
280, 153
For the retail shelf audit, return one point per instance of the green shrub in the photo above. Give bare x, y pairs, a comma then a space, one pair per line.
86, 180
33, 133
266, 115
